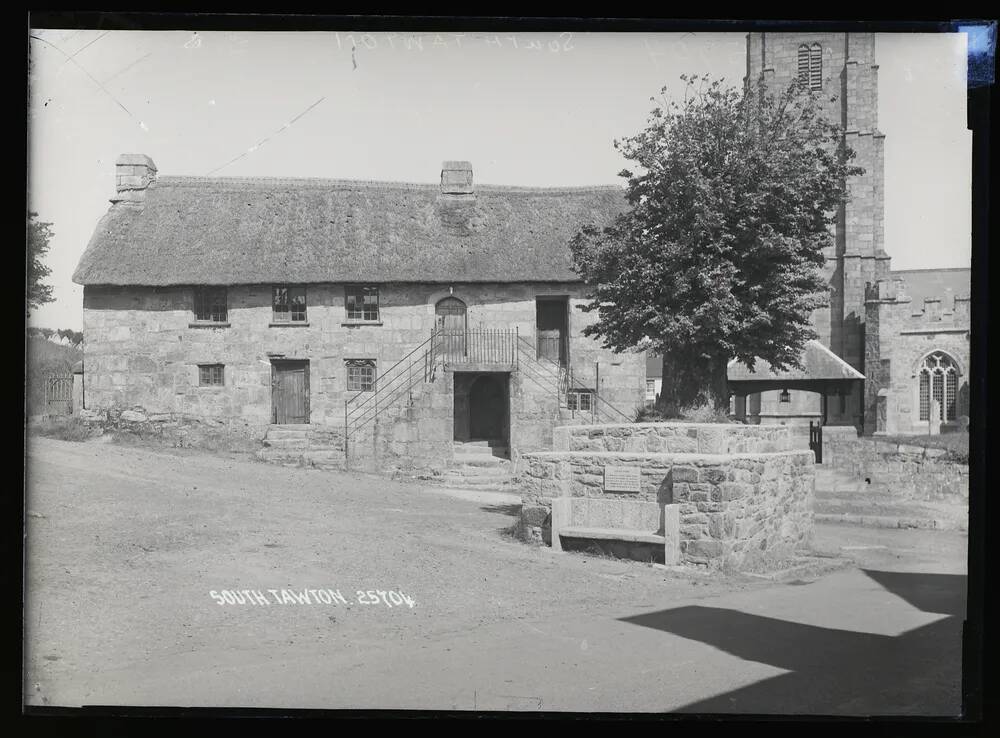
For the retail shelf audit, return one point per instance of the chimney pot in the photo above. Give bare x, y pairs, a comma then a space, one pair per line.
456, 178
133, 174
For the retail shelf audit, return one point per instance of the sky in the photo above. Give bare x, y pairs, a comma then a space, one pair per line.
539, 109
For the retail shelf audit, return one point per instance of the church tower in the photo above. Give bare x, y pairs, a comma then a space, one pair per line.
841, 69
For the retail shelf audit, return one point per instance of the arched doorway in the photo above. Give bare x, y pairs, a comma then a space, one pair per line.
451, 324
487, 409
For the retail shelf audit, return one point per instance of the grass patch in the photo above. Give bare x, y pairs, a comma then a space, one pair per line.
703, 414
68, 428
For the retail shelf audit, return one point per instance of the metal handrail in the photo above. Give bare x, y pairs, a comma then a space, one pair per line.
381, 382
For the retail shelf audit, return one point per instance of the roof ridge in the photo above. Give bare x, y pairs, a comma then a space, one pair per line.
193, 180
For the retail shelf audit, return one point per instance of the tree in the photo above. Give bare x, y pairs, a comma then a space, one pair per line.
719, 251
38, 236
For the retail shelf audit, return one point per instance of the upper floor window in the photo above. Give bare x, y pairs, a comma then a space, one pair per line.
810, 71
289, 304
361, 302
210, 304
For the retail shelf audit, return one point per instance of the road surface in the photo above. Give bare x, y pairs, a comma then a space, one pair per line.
134, 554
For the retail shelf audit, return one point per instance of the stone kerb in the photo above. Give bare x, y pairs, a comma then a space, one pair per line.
704, 438
734, 508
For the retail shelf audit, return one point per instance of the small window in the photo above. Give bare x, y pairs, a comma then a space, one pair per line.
211, 375
650, 389
360, 375
210, 304
289, 304
361, 303
580, 400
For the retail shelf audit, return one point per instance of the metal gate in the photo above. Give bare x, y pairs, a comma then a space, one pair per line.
59, 394
816, 440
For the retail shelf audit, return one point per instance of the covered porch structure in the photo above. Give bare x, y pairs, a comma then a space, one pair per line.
822, 372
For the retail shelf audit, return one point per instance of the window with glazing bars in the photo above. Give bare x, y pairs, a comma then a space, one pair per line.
580, 400
360, 375
939, 381
211, 375
289, 304
210, 304
362, 303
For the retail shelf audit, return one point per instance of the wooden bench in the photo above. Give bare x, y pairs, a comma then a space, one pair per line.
612, 519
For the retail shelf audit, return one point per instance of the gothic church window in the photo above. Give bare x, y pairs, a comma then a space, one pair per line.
810, 69
939, 381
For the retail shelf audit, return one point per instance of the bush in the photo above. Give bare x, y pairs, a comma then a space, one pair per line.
702, 414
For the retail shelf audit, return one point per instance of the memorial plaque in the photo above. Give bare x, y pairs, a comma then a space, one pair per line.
621, 478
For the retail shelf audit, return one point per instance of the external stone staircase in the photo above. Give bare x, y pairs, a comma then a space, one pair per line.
479, 465
303, 445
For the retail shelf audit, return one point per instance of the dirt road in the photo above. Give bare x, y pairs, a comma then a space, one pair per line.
358, 592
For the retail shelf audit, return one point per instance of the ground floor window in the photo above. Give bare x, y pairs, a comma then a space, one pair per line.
580, 400
360, 375
939, 381
211, 375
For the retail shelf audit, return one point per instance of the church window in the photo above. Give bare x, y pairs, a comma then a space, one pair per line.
810, 66
938, 379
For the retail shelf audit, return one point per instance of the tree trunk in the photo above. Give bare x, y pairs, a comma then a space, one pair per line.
690, 384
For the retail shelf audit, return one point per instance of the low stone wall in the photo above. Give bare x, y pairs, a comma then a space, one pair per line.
906, 471
703, 438
735, 509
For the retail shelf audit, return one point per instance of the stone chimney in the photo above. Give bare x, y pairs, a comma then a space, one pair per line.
456, 178
133, 174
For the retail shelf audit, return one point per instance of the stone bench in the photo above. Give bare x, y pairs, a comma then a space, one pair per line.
632, 521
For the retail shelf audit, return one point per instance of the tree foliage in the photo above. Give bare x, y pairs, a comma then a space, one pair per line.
38, 236
719, 252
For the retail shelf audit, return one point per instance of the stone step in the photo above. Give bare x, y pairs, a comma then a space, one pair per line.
482, 461
286, 442
486, 474
477, 484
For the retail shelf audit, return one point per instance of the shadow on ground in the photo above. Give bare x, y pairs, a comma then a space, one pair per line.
837, 672
512, 508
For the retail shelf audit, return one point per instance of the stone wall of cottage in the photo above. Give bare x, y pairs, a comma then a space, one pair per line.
143, 349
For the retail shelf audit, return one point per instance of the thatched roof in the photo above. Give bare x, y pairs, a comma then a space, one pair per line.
200, 230
818, 362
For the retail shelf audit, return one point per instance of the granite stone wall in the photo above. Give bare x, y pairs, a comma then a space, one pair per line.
735, 508
900, 335
706, 438
902, 470
143, 348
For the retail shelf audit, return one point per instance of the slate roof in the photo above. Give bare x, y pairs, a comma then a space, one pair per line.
818, 362
202, 230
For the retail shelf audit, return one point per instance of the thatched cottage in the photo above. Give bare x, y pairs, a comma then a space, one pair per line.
408, 317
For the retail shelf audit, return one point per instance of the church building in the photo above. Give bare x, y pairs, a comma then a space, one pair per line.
901, 337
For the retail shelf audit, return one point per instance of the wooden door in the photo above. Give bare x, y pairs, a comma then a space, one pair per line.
451, 313
551, 323
487, 409
290, 392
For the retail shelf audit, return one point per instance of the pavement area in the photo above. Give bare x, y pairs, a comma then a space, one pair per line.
133, 555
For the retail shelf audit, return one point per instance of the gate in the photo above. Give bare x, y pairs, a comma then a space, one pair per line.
816, 440
59, 394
